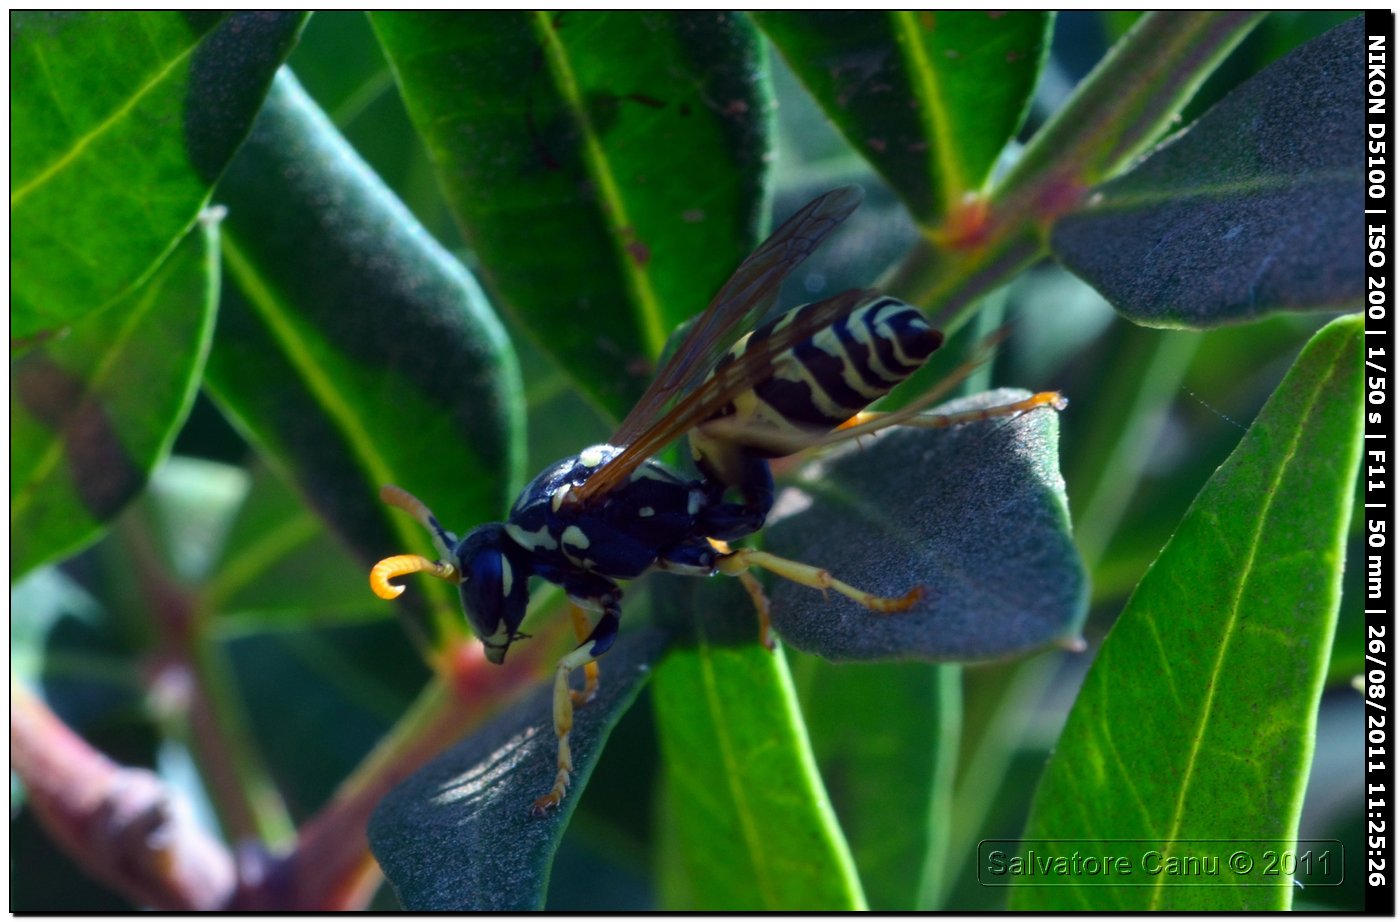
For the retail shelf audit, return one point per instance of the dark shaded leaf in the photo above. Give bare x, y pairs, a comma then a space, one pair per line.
459, 834
749, 823
607, 168
1257, 207
389, 366
929, 98
122, 121
974, 514
1195, 724
94, 411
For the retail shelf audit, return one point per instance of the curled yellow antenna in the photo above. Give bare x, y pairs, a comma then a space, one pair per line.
402, 565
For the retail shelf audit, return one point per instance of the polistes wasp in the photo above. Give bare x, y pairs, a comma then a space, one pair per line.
612, 512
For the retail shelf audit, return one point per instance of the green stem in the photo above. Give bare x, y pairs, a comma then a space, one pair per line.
1118, 110
1151, 385
935, 879
1127, 101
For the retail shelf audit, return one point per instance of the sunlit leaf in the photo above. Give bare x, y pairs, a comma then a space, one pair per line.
606, 168
930, 98
1193, 732
121, 122
739, 771
93, 412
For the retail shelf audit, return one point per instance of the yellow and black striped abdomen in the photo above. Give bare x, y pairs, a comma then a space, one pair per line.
839, 371
824, 380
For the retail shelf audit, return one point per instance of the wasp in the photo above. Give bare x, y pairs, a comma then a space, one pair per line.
612, 512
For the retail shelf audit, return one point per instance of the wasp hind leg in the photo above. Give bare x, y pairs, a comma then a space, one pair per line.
594, 645
865, 421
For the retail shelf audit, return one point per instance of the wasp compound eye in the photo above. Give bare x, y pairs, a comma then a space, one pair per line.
493, 588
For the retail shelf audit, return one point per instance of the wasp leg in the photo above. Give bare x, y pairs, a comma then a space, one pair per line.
590, 670
737, 562
752, 586
593, 646
865, 421
402, 565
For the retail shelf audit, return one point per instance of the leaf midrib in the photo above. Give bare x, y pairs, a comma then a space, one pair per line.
94, 134
645, 303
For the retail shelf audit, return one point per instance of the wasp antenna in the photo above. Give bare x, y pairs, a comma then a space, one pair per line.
402, 565
400, 498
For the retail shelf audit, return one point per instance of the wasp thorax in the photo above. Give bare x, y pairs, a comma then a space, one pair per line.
495, 574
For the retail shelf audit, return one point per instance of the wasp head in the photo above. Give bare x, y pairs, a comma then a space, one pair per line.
494, 584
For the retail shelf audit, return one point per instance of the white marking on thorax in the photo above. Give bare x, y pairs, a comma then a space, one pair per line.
531, 540
592, 456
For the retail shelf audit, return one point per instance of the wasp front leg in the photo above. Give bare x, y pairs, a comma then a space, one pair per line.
594, 645
590, 670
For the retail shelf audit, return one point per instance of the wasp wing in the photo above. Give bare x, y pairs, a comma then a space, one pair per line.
728, 380
744, 299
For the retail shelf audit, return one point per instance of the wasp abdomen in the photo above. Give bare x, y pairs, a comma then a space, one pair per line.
832, 375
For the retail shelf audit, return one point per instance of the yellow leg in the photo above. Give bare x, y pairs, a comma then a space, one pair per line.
590, 669
760, 603
563, 723
738, 562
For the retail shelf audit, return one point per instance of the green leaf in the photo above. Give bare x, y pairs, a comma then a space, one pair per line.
751, 823
1256, 208
890, 779
94, 411
606, 168
122, 122
929, 98
975, 514
459, 834
1197, 720
357, 351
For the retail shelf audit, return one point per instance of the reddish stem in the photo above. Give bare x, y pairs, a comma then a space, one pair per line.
332, 867
123, 825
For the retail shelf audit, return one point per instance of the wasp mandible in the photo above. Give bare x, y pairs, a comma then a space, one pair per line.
612, 512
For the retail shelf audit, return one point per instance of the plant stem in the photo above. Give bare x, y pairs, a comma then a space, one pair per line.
1120, 108
190, 682
123, 825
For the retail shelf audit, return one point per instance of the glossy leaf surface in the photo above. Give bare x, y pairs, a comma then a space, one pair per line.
886, 738
459, 834
930, 98
1257, 207
1197, 720
606, 168
751, 825
93, 412
389, 366
975, 514
121, 121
